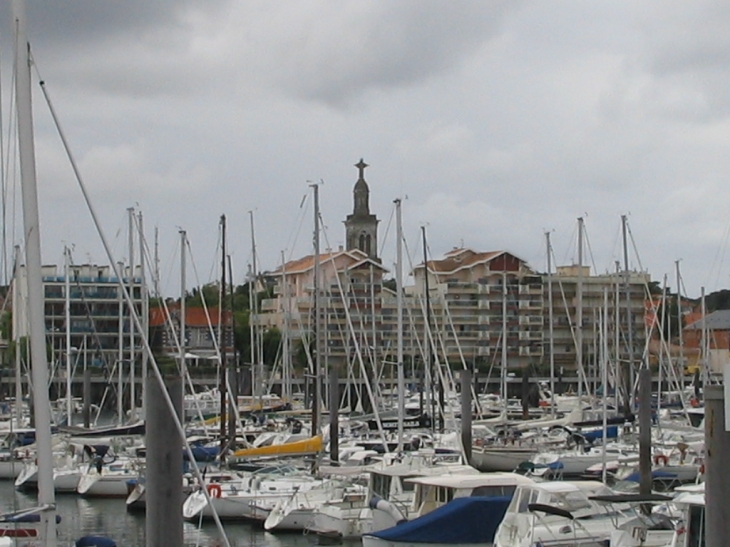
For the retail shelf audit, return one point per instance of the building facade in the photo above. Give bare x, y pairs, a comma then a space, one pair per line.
622, 296
481, 304
202, 332
101, 330
481, 308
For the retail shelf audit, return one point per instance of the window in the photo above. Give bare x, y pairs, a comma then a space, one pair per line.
407, 485
696, 536
493, 491
381, 485
444, 495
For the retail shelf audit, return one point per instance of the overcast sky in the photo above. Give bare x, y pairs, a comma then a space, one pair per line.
494, 121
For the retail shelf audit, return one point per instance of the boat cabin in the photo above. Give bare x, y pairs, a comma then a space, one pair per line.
390, 481
432, 492
693, 532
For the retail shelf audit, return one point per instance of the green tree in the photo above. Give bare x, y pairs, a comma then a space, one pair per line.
718, 300
390, 284
272, 344
211, 293
6, 325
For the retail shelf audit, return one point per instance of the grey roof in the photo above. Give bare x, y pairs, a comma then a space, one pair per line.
717, 320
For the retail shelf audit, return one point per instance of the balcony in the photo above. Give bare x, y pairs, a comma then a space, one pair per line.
530, 304
464, 319
534, 320
461, 287
527, 351
535, 289
531, 335
270, 305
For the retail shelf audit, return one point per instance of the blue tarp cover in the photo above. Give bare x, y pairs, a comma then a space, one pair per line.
611, 433
656, 474
462, 520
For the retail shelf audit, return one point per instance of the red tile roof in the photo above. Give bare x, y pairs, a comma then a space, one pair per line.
194, 317
458, 259
306, 263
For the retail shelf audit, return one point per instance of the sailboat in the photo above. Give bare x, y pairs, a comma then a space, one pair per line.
35, 526
46, 525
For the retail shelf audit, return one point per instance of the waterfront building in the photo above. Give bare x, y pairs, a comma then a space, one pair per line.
99, 317
707, 341
574, 284
202, 328
350, 287
481, 303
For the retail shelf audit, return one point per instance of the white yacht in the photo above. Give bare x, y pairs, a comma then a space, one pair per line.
452, 509
579, 513
247, 497
351, 517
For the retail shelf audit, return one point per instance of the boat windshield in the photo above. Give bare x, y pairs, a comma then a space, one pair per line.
574, 501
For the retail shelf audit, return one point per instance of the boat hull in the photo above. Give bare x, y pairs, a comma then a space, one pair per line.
500, 459
91, 486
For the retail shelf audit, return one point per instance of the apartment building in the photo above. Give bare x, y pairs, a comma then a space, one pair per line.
574, 289
349, 302
349, 292
202, 332
482, 303
100, 319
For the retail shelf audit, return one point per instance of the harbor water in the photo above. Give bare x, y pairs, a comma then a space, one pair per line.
110, 518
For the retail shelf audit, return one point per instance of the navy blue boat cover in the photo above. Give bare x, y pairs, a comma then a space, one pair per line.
462, 520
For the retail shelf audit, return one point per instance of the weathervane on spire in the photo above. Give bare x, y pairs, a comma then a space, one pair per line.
361, 168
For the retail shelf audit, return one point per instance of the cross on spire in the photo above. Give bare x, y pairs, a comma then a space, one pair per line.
361, 165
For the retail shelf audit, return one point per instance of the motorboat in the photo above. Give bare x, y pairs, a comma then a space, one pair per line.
452, 510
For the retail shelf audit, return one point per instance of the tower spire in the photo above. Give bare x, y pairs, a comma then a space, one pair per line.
362, 227
361, 165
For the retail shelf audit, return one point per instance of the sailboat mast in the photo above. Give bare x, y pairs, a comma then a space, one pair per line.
132, 399
285, 354
67, 289
399, 321
232, 372
704, 345
120, 342
156, 265
619, 381
223, 388
183, 307
31, 225
579, 311
503, 374
18, 366
551, 340
256, 358
604, 381
629, 318
427, 335
317, 334
680, 325
145, 308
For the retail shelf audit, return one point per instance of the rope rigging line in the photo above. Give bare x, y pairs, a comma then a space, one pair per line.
135, 317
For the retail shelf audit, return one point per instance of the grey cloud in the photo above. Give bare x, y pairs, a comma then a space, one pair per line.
388, 45
82, 23
685, 52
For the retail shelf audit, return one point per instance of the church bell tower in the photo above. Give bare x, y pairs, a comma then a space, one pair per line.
361, 228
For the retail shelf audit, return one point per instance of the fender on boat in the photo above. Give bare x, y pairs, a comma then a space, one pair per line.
379, 504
